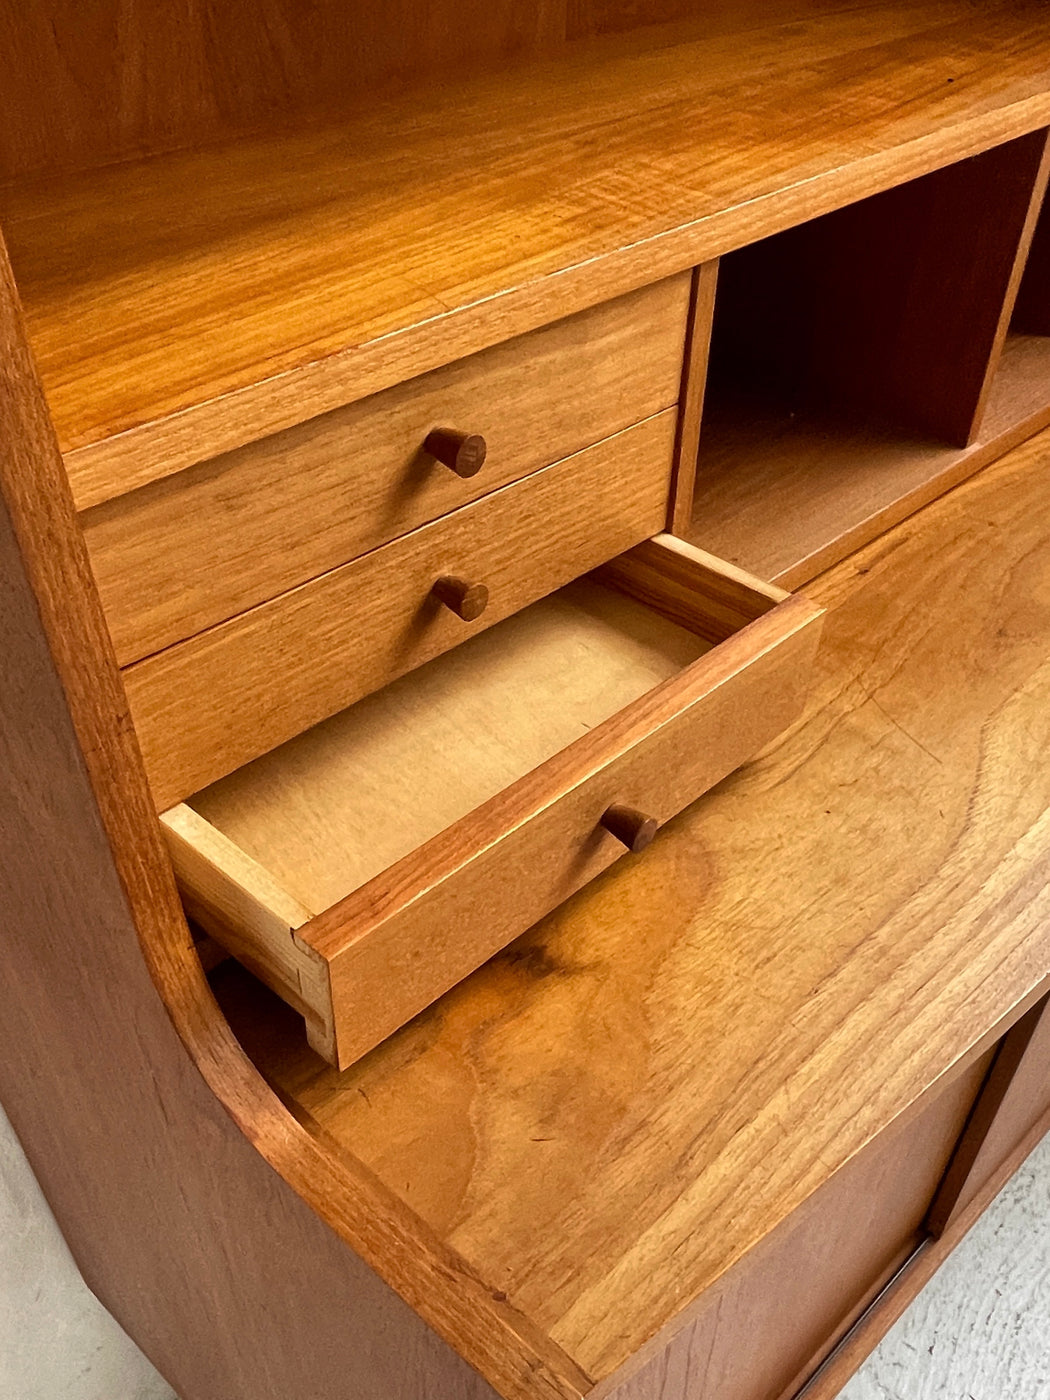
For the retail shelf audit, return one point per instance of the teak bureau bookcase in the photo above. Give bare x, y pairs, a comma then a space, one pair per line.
525, 567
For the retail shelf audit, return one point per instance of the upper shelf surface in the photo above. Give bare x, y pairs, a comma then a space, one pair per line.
186, 304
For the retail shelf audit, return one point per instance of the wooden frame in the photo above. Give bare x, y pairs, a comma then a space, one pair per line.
691, 399
176, 1202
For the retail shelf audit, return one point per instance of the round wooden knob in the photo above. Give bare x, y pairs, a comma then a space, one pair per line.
466, 600
464, 453
630, 826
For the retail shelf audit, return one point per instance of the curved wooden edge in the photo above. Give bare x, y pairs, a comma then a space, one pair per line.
201, 1213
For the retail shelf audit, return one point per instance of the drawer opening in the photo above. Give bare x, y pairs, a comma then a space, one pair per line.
406, 825
857, 367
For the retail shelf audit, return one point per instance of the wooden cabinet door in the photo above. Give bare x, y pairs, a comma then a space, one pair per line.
1014, 1100
761, 1331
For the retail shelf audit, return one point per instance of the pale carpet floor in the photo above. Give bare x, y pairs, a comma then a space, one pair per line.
980, 1331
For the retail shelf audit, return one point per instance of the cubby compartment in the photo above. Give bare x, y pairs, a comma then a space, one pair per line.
366, 866
860, 364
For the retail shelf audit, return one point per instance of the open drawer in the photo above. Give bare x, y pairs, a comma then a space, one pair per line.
367, 866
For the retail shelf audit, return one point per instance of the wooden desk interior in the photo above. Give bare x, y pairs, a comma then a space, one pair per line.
607, 1116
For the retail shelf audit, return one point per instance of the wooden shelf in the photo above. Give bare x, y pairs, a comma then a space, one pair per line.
607, 1116
186, 304
786, 494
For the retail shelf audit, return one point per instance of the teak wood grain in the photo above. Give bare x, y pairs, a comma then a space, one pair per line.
183, 306
803, 1286
176, 1175
894, 308
196, 548
122, 80
788, 494
215, 702
613, 1112
828, 1381
405, 936
528, 1191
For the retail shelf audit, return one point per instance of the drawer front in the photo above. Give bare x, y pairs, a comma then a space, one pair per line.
202, 546
212, 704
406, 937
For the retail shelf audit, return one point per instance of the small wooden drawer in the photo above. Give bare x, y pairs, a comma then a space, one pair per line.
364, 868
211, 704
201, 546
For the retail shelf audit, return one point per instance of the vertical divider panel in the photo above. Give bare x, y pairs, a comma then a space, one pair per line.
691, 400
1015, 1097
984, 214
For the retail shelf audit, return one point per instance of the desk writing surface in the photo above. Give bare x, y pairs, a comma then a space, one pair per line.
612, 1111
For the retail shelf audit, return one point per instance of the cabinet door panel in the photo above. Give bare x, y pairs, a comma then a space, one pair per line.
759, 1333
1014, 1099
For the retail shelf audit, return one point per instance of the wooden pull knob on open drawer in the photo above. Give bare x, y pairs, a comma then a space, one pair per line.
463, 453
633, 828
466, 600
